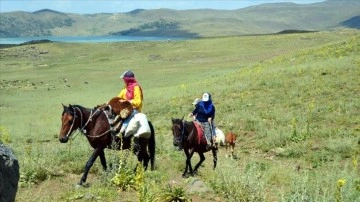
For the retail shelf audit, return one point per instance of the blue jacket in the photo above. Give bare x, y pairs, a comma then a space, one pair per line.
204, 110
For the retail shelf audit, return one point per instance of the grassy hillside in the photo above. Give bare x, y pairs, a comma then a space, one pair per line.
261, 19
292, 99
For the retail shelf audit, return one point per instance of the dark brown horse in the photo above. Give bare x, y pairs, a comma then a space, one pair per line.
186, 137
94, 124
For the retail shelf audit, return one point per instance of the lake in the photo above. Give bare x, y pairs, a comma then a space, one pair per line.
86, 39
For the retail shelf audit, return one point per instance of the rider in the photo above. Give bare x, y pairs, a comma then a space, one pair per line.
136, 124
132, 92
204, 113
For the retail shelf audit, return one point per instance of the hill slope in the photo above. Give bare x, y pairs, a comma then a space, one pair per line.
293, 100
261, 19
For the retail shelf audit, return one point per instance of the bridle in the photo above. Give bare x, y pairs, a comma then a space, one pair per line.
180, 138
82, 126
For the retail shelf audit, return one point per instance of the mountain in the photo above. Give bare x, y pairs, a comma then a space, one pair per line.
260, 19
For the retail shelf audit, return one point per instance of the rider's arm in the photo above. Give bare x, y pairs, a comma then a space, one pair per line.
122, 94
137, 101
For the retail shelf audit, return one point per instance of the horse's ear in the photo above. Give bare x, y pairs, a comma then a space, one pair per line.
182, 118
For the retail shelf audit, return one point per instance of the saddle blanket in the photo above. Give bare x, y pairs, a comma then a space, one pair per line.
200, 132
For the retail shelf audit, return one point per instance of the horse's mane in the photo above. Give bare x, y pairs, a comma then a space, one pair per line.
70, 107
81, 107
177, 120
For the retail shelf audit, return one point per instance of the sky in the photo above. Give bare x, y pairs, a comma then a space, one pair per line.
119, 6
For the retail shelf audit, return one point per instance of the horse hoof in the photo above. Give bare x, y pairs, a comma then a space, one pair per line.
78, 186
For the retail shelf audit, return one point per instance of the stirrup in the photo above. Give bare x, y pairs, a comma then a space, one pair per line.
113, 131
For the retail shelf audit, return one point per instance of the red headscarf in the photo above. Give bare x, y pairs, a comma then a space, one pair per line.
130, 84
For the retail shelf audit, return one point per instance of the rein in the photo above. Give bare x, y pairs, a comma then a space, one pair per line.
82, 128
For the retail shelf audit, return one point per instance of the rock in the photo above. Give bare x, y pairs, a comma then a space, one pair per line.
277, 151
9, 175
197, 186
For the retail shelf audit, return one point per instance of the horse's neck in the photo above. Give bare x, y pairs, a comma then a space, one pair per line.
94, 117
188, 128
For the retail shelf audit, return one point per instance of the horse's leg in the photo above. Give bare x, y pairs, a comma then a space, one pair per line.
226, 148
191, 153
151, 146
137, 150
188, 162
143, 155
89, 163
103, 159
140, 151
232, 150
146, 159
202, 159
214, 151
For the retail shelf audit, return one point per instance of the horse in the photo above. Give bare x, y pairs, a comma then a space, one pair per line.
230, 140
185, 136
94, 124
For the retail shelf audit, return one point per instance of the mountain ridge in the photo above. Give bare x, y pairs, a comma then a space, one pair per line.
259, 19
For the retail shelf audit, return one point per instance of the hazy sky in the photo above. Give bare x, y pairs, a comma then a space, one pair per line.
113, 6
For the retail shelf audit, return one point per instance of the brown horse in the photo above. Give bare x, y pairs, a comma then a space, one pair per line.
94, 124
230, 140
186, 137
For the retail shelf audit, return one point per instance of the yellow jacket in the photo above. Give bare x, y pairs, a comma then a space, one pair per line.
137, 101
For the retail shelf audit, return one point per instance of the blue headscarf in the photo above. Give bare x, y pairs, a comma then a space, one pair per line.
206, 103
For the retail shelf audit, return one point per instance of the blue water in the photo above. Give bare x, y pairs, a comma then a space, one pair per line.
86, 39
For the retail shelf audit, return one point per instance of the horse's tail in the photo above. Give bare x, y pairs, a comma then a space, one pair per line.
151, 146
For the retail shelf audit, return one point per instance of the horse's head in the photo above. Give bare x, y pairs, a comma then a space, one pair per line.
178, 132
69, 123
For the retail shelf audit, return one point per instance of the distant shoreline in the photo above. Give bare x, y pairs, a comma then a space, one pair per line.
9, 42
80, 39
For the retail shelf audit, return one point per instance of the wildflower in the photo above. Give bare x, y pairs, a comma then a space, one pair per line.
341, 182
354, 161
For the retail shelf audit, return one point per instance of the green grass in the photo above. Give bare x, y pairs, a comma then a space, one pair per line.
292, 99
